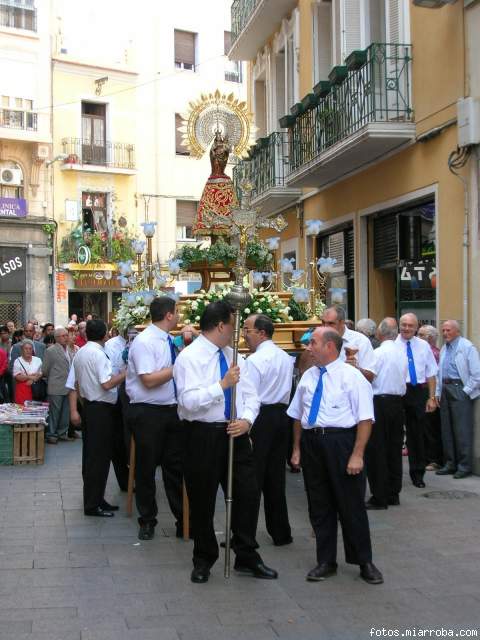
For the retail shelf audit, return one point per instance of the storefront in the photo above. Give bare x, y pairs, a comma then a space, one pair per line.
12, 284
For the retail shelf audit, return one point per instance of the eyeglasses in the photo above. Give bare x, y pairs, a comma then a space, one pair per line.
246, 330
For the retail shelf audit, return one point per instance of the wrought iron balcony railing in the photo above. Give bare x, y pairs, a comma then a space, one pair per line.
267, 167
107, 154
13, 119
18, 15
376, 91
240, 12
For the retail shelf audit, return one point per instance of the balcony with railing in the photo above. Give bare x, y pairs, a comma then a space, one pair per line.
18, 14
17, 119
253, 21
363, 112
265, 171
106, 157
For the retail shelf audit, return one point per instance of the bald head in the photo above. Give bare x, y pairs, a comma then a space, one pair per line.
325, 345
408, 326
450, 330
387, 329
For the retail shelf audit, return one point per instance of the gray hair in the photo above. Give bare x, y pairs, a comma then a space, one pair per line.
455, 323
367, 326
59, 331
388, 329
430, 331
26, 341
340, 311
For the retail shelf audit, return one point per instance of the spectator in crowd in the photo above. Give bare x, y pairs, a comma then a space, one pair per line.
37, 334
114, 333
56, 366
38, 347
458, 384
47, 330
73, 320
349, 324
5, 339
433, 429
17, 337
71, 346
81, 339
11, 327
27, 369
88, 317
368, 327
49, 340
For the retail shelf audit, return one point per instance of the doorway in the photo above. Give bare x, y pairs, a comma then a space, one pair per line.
88, 302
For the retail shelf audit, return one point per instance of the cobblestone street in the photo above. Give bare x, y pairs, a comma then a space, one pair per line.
67, 577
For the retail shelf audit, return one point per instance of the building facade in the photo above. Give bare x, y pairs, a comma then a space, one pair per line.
26, 216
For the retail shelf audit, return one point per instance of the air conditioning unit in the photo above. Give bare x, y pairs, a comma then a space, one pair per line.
43, 152
11, 177
432, 4
468, 121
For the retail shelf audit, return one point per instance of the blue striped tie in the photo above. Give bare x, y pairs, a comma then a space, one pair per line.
317, 398
226, 392
173, 356
411, 365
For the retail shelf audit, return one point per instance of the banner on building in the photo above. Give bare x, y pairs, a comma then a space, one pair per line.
13, 208
12, 269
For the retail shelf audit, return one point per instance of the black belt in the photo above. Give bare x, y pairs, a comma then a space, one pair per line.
281, 405
452, 381
323, 431
108, 404
213, 425
419, 385
157, 406
386, 395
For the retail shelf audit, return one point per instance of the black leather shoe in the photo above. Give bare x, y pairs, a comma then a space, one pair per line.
419, 484
99, 513
322, 571
109, 507
146, 531
258, 570
283, 543
370, 573
374, 505
394, 501
445, 471
200, 575
461, 474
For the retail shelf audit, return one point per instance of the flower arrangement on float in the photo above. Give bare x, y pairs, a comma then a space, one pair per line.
134, 307
263, 302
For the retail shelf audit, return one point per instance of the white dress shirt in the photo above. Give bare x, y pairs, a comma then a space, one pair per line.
357, 340
91, 368
271, 369
347, 397
391, 369
200, 395
114, 349
423, 358
149, 352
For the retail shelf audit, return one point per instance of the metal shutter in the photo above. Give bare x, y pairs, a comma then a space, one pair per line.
186, 213
385, 241
185, 47
349, 253
336, 249
351, 27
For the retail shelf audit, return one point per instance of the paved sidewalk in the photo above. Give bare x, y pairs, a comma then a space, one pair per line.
67, 577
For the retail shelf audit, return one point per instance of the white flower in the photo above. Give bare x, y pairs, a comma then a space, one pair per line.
247, 310
290, 318
194, 304
277, 320
287, 309
255, 304
269, 310
206, 302
187, 321
202, 291
197, 318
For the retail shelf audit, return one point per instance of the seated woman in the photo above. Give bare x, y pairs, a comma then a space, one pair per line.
27, 369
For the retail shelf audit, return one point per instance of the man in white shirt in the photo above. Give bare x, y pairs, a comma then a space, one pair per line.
204, 375
270, 370
91, 373
333, 412
384, 450
420, 395
356, 347
153, 417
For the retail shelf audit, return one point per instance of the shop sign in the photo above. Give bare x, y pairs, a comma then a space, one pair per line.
96, 280
13, 208
12, 269
418, 274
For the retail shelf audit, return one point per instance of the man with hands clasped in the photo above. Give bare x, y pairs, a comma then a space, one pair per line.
204, 378
333, 413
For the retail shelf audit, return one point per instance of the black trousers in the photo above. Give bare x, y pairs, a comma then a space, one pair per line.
334, 494
205, 469
433, 438
384, 449
270, 441
414, 403
98, 423
158, 434
119, 451
456, 409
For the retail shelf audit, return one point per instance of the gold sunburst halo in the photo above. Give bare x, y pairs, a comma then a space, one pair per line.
214, 110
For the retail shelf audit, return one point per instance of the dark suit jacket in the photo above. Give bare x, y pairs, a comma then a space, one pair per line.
55, 369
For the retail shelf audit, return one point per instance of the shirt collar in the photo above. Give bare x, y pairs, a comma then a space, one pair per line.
454, 343
331, 366
208, 344
163, 335
265, 344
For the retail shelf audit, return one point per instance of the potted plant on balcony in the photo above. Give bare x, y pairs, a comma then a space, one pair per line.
338, 74
356, 59
309, 101
286, 122
297, 109
322, 88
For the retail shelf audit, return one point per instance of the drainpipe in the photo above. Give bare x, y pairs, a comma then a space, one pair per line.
457, 160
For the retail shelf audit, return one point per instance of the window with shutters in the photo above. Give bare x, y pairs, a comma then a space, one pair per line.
186, 215
280, 97
180, 148
185, 42
322, 41
351, 27
385, 242
233, 68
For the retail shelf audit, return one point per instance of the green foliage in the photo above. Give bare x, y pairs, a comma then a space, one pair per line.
297, 311
104, 247
257, 254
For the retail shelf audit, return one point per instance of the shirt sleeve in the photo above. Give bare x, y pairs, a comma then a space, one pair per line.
361, 398
253, 372
103, 368
431, 367
251, 401
473, 382
71, 379
190, 393
17, 368
367, 356
295, 410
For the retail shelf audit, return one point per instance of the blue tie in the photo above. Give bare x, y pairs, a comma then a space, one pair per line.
226, 392
317, 398
411, 365
173, 357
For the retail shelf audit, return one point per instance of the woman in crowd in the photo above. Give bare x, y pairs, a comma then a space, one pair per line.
27, 369
71, 346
